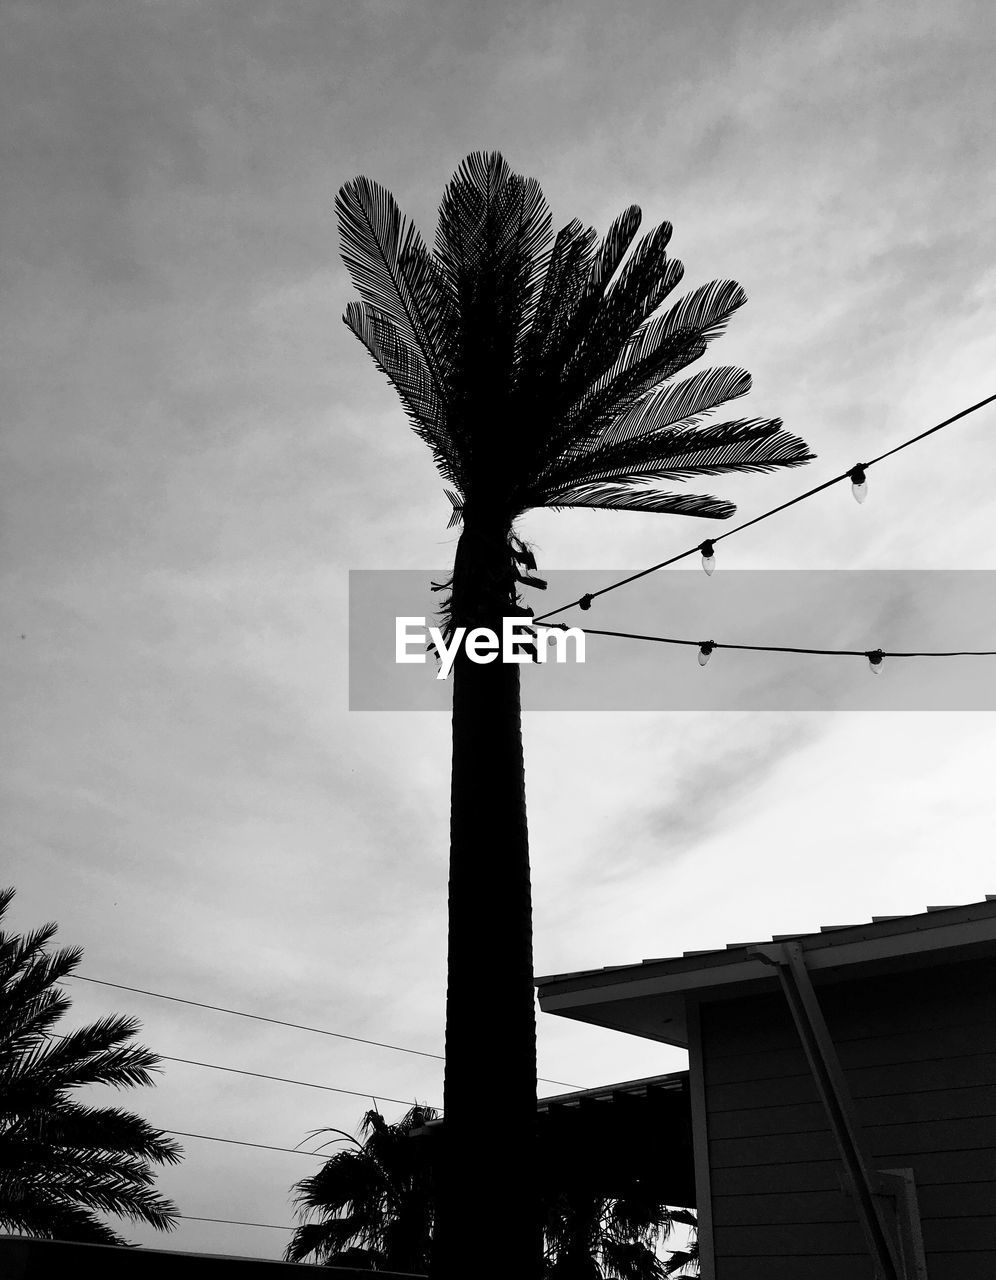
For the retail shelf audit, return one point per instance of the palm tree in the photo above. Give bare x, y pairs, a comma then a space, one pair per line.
62, 1163
538, 371
375, 1208
375, 1200
590, 1236
375, 1204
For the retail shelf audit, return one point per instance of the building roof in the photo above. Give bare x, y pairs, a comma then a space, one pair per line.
607, 1140
647, 998
646, 1086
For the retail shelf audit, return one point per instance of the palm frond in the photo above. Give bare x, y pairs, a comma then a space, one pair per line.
613, 248
566, 274
630, 1260
644, 281
109, 1129
680, 403
653, 354
590, 274
95, 1054
403, 365
394, 272
746, 445
49, 1218
456, 503
619, 496
493, 232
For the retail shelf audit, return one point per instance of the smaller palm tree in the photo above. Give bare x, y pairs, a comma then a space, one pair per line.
589, 1236
62, 1164
375, 1199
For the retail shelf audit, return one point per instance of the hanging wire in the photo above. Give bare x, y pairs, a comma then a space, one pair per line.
585, 601
238, 1142
710, 645
279, 1022
231, 1222
260, 1075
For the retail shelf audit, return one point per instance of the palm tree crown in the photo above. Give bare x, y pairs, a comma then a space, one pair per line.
62, 1163
375, 1200
538, 368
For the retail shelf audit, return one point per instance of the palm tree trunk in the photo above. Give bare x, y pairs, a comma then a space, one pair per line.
487, 1222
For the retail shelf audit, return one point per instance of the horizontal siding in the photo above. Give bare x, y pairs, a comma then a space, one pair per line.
959, 1235
857, 1055
773, 1207
919, 1054
888, 1143
977, 1265
855, 1266
909, 1108
943, 1204
796, 1240
783, 1178
976, 1071
946, 1169
967, 1199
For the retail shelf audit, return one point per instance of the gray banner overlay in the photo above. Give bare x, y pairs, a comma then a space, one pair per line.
861, 609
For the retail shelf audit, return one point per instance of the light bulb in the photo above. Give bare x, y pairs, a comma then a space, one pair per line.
874, 657
859, 483
708, 556
705, 651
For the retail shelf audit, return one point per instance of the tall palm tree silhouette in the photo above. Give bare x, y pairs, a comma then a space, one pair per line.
63, 1163
537, 370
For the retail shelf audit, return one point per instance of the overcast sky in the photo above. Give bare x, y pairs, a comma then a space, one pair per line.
197, 452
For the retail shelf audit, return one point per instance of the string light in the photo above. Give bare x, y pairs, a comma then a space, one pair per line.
708, 556
705, 647
859, 482
765, 515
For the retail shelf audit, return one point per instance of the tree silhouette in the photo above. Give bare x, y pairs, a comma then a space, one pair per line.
62, 1163
374, 1210
374, 1200
598, 1237
538, 371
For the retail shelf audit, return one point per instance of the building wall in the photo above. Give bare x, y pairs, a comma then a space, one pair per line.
919, 1054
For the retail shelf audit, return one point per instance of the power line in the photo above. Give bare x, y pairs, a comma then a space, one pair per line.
585, 600
237, 1142
304, 1084
279, 1022
258, 1017
231, 1222
259, 1075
